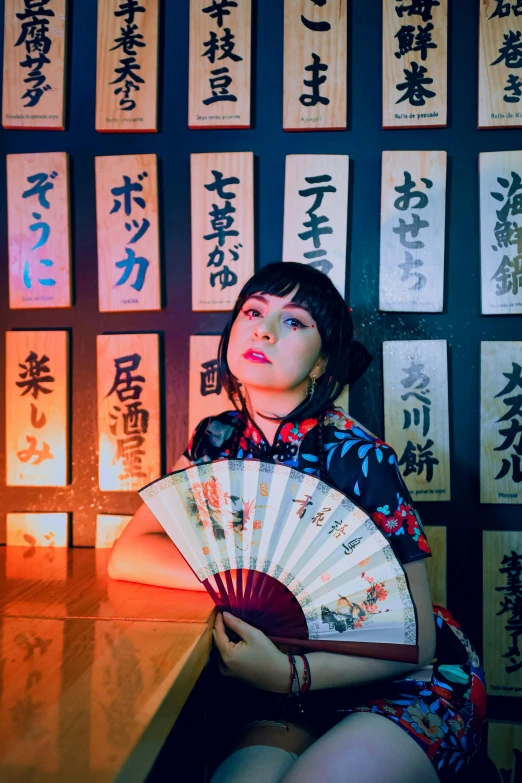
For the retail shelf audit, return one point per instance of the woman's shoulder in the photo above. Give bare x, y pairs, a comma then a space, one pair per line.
338, 419
354, 452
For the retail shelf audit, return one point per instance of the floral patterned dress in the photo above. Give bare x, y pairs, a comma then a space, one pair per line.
443, 713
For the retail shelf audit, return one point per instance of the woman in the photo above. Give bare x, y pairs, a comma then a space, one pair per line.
285, 356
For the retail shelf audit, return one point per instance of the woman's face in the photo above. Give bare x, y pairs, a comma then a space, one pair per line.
284, 333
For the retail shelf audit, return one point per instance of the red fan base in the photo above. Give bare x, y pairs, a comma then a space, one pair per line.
262, 601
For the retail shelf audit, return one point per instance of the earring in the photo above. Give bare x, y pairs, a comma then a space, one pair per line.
310, 390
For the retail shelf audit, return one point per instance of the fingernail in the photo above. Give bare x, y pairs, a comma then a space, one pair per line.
227, 614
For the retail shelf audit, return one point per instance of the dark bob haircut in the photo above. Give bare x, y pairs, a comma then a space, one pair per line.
347, 359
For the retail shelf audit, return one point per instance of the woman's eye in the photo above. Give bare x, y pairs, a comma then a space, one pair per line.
250, 310
296, 321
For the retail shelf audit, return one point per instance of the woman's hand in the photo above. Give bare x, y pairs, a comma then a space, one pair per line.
254, 659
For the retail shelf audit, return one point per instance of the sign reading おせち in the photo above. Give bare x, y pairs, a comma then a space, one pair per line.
501, 232
502, 585
222, 208
128, 410
127, 66
500, 60
315, 55
316, 213
501, 422
416, 417
219, 64
34, 64
39, 230
415, 63
37, 409
413, 206
128, 233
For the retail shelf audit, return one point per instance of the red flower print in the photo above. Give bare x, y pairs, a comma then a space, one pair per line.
307, 425
380, 519
286, 433
446, 616
422, 541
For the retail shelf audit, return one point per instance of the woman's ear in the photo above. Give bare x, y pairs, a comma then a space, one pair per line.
320, 367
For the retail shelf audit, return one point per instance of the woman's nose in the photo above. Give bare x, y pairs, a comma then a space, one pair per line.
264, 331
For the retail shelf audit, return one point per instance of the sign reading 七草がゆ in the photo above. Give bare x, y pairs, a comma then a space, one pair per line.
222, 211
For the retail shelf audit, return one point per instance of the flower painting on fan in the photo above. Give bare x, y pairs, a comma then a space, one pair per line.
208, 503
350, 614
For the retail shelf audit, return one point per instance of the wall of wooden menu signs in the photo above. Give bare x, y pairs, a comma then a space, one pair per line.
437, 210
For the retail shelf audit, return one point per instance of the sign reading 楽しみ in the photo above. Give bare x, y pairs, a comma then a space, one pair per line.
127, 66
222, 209
37, 409
316, 213
128, 410
500, 61
501, 232
219, 64
315, 44
416, 417
39, 230
34, 64
128, 234
413, 205
501, 422
415, 63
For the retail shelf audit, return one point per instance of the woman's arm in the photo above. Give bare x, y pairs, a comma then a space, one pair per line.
258, 661
330, 670
145, 553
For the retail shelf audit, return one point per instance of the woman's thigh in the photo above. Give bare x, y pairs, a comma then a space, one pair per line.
297, 738
363, 747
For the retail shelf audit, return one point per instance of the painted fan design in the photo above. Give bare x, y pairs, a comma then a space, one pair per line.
290, 555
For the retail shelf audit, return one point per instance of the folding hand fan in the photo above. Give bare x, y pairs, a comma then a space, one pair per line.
290, 555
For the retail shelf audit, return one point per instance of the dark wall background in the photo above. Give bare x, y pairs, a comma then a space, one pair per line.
460, 323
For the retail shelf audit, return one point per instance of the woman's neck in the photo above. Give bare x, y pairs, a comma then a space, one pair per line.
262, 403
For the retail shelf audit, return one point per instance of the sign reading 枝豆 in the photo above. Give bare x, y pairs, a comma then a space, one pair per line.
219, 63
